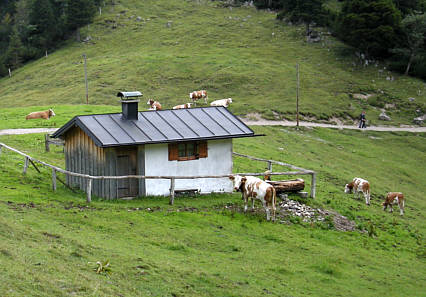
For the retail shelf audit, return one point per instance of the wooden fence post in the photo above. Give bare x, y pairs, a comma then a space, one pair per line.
313, 184
25, 165
270, 166
0, 149
46, 142
172, 191
89, 190
53, 179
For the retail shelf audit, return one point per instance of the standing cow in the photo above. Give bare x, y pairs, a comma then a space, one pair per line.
40, 115
255, 188
394, 198
196, 95
359, 185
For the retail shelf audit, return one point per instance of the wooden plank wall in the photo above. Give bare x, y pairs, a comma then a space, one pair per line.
83, 156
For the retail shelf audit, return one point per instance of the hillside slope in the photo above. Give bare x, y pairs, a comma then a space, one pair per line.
240, 53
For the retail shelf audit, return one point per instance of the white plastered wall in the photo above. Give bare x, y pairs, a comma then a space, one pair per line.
218, 162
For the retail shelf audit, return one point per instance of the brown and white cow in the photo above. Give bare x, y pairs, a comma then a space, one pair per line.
183, 106
359, 185
394, 198
255, 188
40, 115
155, 105
221, 102
196, 95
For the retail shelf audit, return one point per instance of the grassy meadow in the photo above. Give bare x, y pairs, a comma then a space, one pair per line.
50, 242
241, 53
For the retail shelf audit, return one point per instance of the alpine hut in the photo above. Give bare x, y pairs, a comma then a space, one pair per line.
182, 142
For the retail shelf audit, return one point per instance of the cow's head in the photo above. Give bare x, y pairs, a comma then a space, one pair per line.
188, 105
150, 102
229, 100
239, 181
51, 113
348, 188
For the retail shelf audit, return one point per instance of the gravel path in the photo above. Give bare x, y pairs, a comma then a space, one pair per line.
309, 124
250, 123
27, 131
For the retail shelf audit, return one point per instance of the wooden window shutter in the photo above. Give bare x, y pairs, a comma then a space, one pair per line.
173, 151
202, 149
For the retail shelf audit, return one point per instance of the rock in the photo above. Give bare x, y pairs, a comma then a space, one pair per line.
87, 39
361, 96
169, 24
303, 194
384, 117
411, 99
419, 120
139, 18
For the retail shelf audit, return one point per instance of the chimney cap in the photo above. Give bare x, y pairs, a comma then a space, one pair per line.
125, 95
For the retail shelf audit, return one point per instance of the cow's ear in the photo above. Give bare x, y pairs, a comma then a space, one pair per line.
232, 177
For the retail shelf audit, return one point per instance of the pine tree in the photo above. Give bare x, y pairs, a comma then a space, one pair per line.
43, 21
372, 26
414, 28
15, 50
79, 13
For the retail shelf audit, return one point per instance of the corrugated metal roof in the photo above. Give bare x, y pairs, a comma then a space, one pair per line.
160, 126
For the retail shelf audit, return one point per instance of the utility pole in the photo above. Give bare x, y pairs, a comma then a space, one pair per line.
85, 78
297, 96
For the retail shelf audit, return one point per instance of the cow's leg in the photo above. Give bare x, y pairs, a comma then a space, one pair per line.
367, 198
384, 207
401, 207
252, 204
265, 206
245, 202
390, 208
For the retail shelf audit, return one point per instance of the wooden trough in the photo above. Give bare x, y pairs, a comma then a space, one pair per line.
294, 185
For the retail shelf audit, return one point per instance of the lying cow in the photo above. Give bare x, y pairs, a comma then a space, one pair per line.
394, 198
221, 102
155, 105
359, 185
183, 106
40, 115
196, 95
255, 188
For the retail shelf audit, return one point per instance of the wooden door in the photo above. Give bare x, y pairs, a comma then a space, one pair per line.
127, 165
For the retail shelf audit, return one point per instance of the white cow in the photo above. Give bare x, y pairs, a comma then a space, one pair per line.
255, 188
359, 185
221, 102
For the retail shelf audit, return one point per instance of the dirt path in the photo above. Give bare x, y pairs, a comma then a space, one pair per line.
27, 131
260, 122
263, 122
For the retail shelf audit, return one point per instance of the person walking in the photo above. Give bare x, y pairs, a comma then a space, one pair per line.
362, 120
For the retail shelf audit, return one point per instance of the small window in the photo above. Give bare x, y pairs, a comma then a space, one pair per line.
187, 150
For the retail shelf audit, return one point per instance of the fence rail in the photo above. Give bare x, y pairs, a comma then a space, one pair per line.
90, 178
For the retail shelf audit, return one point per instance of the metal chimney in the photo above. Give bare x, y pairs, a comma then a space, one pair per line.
129, 107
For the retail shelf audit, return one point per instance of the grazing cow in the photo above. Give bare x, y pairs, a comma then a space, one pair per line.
394, 198
255, 188
222, 102
40, 115
357, 186
196, 95
155, 105
183, 106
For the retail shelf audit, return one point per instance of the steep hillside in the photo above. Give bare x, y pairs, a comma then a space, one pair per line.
168, 48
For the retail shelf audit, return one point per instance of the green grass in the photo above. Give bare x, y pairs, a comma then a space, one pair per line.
230, 53
50, 242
